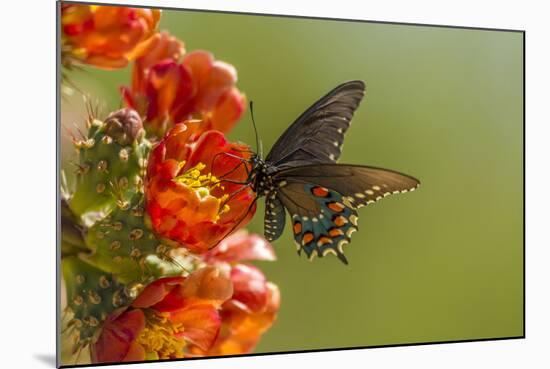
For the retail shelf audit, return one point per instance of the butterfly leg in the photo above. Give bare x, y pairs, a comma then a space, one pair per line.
235, 193
237, 167
242, 161
250, 207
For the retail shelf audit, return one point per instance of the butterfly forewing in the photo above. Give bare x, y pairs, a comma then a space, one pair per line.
358, 184
317, 135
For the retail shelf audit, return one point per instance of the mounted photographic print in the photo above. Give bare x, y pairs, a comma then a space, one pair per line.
240, 184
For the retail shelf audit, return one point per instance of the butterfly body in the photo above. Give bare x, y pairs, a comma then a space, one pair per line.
300, 175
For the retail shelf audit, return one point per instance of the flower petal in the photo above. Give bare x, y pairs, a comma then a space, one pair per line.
209, 283
104, 36
249, 287
185, 200
156, 291
200, 62
228, 110
118, 336
241, 246
136, 352
221, 77
201, 324
205, 285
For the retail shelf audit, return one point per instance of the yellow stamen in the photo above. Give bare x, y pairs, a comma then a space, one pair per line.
193, 178
160, 337
203, 184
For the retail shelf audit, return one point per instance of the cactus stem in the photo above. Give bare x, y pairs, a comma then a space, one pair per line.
123, 205
102, 166
100, 188
142, 162
107, 140
91, 321
132, 290
136, 234
80, 168
123, 155
78, 300
137, 212
123, 182
138, 182
117, 299
84, 144
104, 282
115, 245
135, 253
94, 298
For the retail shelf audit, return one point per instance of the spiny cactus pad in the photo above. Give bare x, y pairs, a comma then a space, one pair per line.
112, 160
125, 257
92, 295
122, 257
124, 246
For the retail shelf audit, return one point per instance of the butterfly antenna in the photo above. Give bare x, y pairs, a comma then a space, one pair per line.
258, 142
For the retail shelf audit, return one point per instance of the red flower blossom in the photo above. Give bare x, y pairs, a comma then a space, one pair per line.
169, 92
187, 196
161, 46
104, 36
170, 317
255, 302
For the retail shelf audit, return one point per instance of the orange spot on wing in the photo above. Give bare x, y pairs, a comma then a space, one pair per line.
323, 240
297, 228
308, 237
320, 191
340, 220
336, 206
335, 232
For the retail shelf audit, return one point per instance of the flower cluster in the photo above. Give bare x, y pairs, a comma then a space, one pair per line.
157, 217
104, 36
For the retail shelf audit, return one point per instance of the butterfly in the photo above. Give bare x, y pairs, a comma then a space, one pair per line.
300, 175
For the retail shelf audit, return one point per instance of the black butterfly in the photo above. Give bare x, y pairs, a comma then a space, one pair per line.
300, 174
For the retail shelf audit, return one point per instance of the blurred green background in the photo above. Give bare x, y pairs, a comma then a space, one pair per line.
444, 105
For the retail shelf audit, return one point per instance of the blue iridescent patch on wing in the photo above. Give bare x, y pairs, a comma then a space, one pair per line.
328, 231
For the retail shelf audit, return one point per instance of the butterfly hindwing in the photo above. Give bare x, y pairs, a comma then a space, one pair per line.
322, 220
317, 135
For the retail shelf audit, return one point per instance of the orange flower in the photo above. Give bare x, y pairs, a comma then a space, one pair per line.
171, 317
170, 92
255, 302
191, 194
241, 246
104, 36
161, 46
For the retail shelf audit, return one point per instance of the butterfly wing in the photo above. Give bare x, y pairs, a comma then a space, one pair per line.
359, 184
317, 135
322, 220
323, 200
